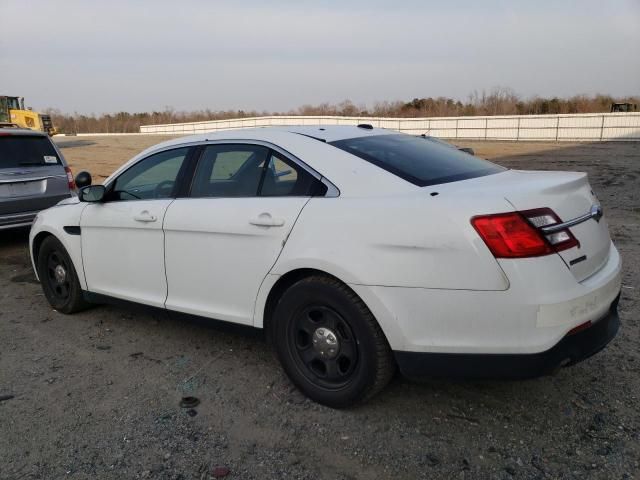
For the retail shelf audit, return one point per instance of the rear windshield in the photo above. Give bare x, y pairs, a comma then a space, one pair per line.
416, 159
26, 150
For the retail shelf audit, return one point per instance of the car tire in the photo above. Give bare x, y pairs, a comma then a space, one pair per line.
59, 278
330, 344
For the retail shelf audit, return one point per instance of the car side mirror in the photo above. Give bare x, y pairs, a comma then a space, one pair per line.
468, 150
83, 179
92, 193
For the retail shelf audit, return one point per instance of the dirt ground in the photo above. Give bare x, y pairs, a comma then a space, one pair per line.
95, 395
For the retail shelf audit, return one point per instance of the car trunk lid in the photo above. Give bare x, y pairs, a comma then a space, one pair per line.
570, 196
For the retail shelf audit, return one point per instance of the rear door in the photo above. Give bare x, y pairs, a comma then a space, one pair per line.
122, 238
222, 240
32, 175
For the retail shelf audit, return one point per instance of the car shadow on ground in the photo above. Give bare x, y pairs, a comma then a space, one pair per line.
193, 334
15, 237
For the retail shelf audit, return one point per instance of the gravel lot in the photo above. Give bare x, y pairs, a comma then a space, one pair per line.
95, 395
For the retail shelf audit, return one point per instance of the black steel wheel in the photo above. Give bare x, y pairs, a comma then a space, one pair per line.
58, 277
329, 343
325, 347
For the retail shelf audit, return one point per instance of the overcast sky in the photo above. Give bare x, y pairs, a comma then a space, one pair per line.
105, 56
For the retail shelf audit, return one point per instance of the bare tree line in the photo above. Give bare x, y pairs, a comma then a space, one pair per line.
499, 101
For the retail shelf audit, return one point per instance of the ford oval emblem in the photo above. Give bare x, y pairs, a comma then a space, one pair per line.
596, 212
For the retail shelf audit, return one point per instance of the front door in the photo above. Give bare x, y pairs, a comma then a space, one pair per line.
122, 237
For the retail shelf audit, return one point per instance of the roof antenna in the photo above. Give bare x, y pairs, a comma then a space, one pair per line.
366, 126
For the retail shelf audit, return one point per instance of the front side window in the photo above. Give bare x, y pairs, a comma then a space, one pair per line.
416, 159
152, 178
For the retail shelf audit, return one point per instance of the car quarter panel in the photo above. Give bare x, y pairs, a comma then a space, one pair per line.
53, 222
403, 241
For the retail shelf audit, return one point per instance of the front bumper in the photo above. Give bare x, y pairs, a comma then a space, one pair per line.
570, 350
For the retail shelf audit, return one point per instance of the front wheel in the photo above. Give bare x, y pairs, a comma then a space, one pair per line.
330, 344
58, 277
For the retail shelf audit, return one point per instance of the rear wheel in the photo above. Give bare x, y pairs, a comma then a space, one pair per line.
58, 277
330, 344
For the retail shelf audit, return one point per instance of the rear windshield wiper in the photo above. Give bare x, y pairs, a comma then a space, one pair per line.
31, 163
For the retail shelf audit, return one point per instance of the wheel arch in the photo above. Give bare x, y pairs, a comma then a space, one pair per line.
36, 244
372, 349
72, 245
279, 287
279, 284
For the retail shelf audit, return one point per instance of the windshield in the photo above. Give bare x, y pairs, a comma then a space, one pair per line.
416, 159
14, 103
27, 150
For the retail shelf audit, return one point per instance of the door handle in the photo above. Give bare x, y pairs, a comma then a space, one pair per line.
145, 216
266, 220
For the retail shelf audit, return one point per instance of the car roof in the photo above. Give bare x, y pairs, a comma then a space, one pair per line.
333, 133
323, 133
10, 130
352, 175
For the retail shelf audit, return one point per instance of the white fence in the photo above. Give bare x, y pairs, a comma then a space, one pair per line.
578, 127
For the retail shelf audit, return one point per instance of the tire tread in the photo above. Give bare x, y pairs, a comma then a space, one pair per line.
385, 363
77, 302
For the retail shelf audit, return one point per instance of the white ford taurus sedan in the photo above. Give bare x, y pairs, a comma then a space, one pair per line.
357, 249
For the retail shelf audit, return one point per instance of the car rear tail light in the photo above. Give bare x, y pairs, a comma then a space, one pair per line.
545, 217
72, 183
519, 234
509, 235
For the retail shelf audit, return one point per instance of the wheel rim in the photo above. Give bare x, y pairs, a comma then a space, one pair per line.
58, 276
324, 346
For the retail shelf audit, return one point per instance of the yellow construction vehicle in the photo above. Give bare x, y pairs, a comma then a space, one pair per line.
12, 111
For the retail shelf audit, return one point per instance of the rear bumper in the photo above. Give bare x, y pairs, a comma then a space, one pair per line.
17, 220
542, 305
25, 218
570, 350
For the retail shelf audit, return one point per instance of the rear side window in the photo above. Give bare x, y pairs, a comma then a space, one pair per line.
284, 178
416, 159
27, 150
230, 170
